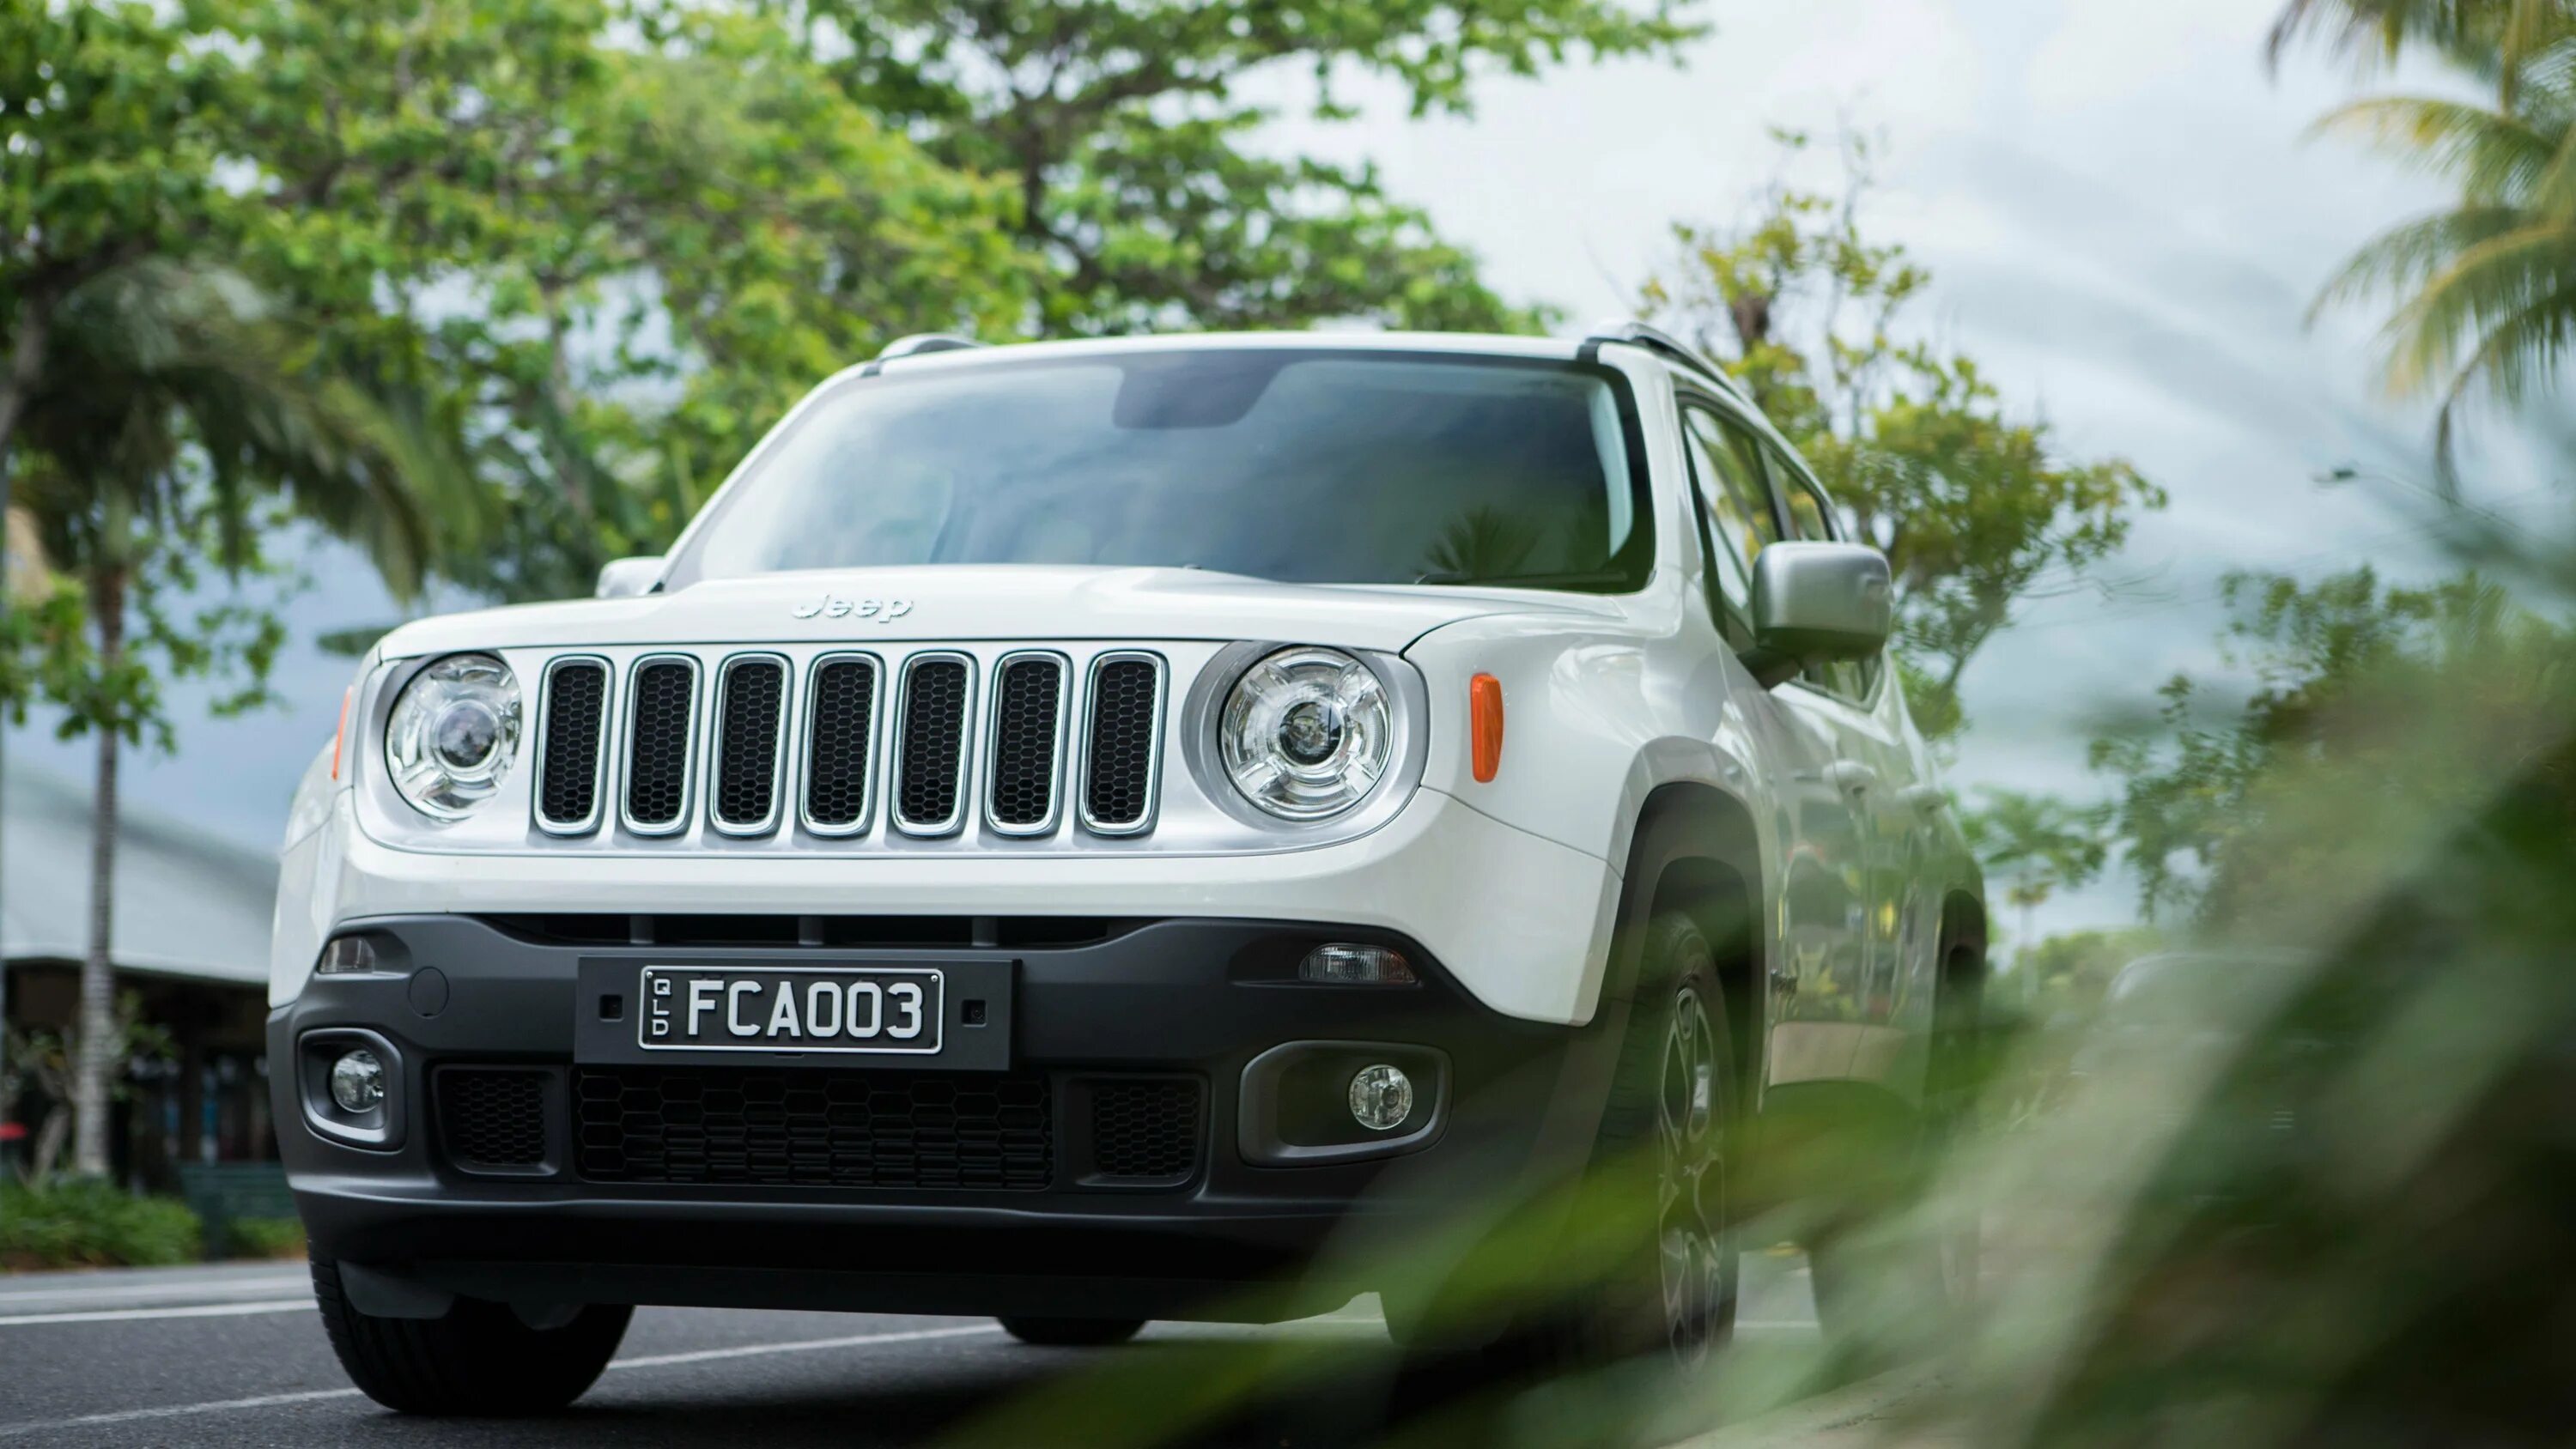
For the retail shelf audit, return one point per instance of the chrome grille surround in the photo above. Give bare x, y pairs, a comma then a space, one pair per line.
999, 747
717, 763
547, 737
1143, 820
1191, 811
814, 772
687, 747
908, 699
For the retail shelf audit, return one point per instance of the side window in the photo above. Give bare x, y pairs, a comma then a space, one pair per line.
1807, 521
1739, 510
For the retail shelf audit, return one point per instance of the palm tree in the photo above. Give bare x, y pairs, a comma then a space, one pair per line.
2517, 33
167, 404
2488, 285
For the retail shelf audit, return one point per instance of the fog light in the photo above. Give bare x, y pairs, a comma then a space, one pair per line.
345, 955
1344, 964
1381, 1098
358, 1082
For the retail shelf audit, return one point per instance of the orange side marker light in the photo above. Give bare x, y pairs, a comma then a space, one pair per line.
1485, 718
340, 731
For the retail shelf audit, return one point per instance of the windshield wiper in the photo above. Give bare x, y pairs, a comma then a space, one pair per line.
1531, 581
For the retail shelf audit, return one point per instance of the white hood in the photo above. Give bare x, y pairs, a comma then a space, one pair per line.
996, 601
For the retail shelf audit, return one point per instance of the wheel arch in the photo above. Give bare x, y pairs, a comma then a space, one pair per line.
1698, 849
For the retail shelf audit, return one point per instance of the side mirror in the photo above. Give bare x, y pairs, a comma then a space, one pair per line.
1817, 602
624, 578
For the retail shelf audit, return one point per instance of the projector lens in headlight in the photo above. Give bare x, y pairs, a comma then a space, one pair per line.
453, 733
1306, 733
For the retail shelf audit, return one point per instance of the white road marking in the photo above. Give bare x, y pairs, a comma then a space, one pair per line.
122, 1315
710, 1355
659, 1360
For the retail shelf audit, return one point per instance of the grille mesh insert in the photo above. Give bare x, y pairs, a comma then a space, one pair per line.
836, 776
746, 782
1119, 787
934, 742
1145, 1130
657, 762
814, 1128
492, 1117
1024, 741
568, 776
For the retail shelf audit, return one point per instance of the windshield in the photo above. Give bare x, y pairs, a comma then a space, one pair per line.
1306, 467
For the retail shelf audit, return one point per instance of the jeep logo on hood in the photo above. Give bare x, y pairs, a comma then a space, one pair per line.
833, 606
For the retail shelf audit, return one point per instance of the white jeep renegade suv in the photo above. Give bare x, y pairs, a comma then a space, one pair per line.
1075, 831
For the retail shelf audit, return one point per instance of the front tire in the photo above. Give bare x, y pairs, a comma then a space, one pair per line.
479, 1359
1071, 1332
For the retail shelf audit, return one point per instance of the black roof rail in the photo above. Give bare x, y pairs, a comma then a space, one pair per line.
920, 343
1673, 349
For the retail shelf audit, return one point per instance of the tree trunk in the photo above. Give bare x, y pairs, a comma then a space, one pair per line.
99, 1047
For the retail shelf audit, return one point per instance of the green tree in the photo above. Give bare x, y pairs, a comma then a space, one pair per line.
2486, 287
2037, 845
2514, 33
1977, 510
1141, 182
169, 425
611, 247
2377, 715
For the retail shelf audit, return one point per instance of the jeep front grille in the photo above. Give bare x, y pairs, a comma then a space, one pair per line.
1028, 743
751, 735
806, 745
572, 749
1123, 752
930, 755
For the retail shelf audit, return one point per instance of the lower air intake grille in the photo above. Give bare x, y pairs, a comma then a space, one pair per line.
657, 762
1145, 1131
1118, 791
492, 1117
933, 759
576, 705
753, 707
814, 1128
843, 709
1027, 719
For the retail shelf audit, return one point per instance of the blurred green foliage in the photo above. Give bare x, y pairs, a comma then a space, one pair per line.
1979, 511
86, 1223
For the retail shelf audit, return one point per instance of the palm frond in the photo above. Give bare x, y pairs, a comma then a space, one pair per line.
2492, 156
2486, 284
2406, 254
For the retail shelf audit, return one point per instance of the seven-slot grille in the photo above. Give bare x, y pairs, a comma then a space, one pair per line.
814, 737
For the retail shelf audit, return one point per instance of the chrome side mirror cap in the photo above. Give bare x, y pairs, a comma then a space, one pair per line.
624, 578
1814, 603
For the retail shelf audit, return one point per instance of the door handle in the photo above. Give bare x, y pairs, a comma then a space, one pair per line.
1850, 776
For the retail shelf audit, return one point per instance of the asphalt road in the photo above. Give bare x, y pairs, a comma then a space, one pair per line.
236, 1355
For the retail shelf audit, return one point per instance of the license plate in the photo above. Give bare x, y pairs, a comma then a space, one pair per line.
875, 1009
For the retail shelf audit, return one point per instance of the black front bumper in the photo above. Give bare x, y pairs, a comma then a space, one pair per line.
1204, 1011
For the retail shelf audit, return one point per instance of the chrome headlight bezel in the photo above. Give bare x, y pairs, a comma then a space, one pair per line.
473, 692
1305, 733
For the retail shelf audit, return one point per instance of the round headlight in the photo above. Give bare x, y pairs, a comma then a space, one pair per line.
453, 733
1306, 733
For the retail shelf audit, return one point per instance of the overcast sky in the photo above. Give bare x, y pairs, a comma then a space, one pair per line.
2124, 222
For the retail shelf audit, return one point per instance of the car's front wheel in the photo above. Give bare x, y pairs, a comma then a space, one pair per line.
479, 1359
